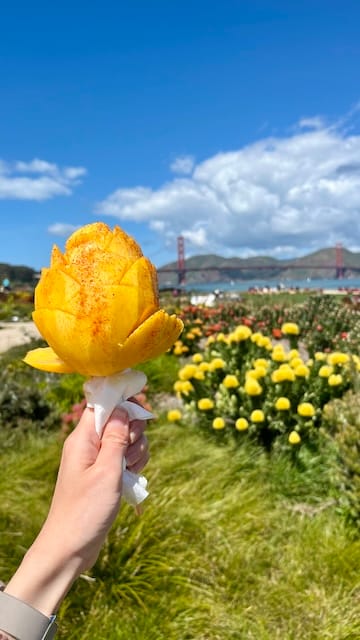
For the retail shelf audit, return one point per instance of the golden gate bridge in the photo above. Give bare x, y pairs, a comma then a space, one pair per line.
181, 269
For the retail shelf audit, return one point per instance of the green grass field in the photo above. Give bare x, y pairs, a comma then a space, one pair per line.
230, 545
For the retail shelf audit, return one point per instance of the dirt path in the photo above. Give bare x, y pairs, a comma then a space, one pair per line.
13, 334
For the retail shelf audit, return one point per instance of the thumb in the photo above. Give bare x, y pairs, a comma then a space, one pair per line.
115, 439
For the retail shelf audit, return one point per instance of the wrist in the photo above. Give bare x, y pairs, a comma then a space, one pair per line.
43, 578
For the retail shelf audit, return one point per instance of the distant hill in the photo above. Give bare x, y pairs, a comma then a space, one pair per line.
213, 268
18, 275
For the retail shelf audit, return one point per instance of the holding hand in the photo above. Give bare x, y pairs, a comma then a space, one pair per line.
85, 503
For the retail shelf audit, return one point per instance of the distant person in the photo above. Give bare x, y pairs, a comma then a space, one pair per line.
6, 284
85, 503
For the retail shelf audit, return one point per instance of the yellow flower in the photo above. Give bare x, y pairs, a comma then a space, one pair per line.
294, 437
252, 387
320, 355
97, 306
295, 362
257, 416
241, 424
282, 404
241, 333
278, 354
335, 380
217, 363
218, 423
261, 363
306, 409
230, 382
293, 353
199, 375
204, 404
188, 372
337, 357
178, 350
197, 357
290, 329
174, 415
183, 386
204, 366
258, 372
302, 371
284, 373
325, 371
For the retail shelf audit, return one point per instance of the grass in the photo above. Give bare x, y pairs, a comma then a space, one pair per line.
230, 545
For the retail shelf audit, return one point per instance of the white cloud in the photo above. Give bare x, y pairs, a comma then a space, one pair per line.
37, 180
183, 165
280, 196
62, 229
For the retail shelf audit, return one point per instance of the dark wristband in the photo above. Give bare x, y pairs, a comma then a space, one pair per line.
22, 621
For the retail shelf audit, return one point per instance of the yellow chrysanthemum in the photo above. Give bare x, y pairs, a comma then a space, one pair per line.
320, 356
283, 374
257, 416
302, 371
337, 357
325, 371
252, 387
282, 404
174, 415
184, 387
290, 329
261, 363
188, 372
230, 381
217, 363
241, 424
294, 437
97, 306
306, 410
295, 362
197, 358
205, 404
218, 423
278, 354
335, 379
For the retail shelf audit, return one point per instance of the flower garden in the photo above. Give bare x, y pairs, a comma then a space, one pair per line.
251, 527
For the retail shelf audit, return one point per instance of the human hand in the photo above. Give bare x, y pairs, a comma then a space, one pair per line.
84, 505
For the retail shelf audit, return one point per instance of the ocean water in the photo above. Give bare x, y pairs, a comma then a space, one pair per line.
244, 285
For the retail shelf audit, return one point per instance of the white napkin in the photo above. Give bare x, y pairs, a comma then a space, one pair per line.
103, 394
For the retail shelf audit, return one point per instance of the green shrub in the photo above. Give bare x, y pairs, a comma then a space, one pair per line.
22, 399
341, 419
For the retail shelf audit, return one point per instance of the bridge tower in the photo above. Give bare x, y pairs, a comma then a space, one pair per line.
340, 269
181, 260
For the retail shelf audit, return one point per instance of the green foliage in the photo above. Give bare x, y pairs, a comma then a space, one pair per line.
161, 373
242, 383
23, 400
230, 545
342, 421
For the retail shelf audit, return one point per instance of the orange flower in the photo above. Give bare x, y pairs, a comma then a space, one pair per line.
97, 306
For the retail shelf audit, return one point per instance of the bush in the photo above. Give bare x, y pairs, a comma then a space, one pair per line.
22, 399
341, 419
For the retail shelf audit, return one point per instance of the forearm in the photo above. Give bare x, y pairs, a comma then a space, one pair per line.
44, 576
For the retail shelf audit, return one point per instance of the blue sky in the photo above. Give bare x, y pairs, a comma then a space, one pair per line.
233, 123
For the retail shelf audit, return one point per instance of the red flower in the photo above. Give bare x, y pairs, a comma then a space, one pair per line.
277, 333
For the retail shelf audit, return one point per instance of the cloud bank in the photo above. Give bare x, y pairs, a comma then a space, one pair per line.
280, 196
37, 180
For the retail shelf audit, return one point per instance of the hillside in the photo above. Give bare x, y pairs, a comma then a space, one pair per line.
213, 268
